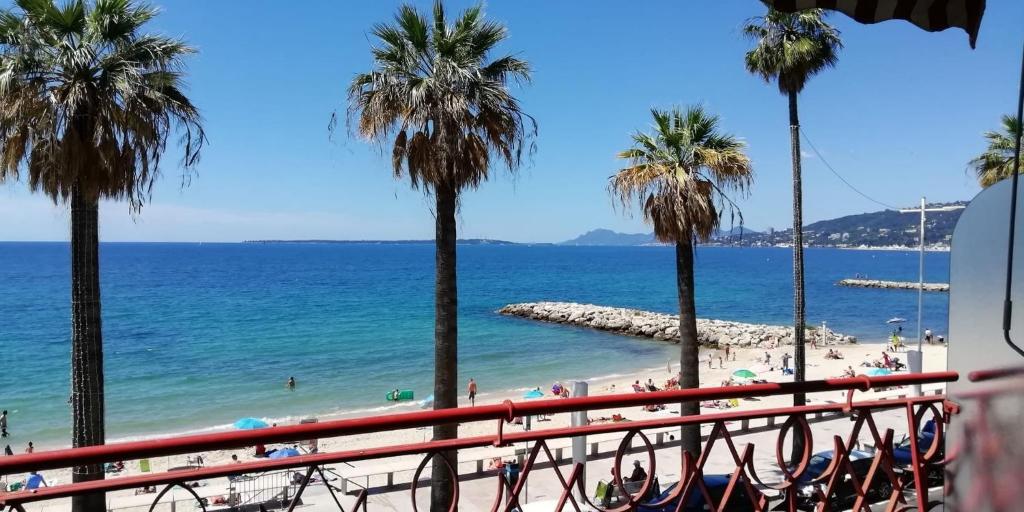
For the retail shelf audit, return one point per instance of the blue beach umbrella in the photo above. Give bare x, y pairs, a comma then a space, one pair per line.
536, 393
878, 372
284, 453
250, 424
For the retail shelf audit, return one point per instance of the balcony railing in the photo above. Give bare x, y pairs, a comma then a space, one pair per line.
901, 485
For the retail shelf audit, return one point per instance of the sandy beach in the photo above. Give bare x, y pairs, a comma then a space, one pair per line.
818, 367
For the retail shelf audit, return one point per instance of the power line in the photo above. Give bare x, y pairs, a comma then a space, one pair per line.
847, 183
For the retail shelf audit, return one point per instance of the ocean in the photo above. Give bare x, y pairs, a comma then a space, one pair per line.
199, 335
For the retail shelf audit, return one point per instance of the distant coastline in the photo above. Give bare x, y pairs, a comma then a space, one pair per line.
461, 241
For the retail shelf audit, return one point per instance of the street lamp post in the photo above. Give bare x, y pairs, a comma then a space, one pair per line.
914, 358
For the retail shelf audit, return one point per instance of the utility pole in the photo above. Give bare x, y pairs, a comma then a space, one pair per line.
914, 357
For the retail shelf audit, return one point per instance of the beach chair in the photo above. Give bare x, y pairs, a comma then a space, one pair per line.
603, 494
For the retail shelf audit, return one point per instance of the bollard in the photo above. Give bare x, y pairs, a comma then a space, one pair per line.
659, 438
558, 454
771, 421
391, 479
593, 449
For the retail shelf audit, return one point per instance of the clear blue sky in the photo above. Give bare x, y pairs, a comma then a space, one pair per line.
899, 117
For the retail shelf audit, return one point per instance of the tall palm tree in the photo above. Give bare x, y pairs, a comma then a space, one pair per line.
443, 104
87, 103
996, 163
790, 49
680, 175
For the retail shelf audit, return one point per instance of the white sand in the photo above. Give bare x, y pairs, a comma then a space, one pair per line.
817, 368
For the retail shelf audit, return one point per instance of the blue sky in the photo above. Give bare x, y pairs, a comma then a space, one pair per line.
899, 118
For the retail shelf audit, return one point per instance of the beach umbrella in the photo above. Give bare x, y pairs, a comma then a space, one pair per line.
535, 393
250, 424
878, 372
284, 453
744, 373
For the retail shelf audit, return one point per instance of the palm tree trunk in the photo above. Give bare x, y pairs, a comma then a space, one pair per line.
799, 357
689, 377
799, 360
86, 343
446, 334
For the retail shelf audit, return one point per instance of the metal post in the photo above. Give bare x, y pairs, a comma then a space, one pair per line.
920, 281
915, 358
579, 443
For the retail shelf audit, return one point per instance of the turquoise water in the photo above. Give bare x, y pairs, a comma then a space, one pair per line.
198, 335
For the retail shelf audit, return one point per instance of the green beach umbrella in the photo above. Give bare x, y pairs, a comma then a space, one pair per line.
744, 373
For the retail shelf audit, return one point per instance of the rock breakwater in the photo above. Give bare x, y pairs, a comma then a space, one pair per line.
893, 285
661, 326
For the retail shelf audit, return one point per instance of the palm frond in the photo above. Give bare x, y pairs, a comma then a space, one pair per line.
435, 95
681, 174
88, 102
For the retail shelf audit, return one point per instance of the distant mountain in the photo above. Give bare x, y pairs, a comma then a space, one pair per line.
461, 241
609, 237
886, 228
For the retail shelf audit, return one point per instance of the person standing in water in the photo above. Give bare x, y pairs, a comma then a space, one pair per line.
3, 424
472, 392
291, 383
31, 448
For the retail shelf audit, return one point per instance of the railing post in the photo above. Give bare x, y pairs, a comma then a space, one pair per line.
593, 449
391, 479
479, 466
579, 443
771, 421
558, 454
659, 439
745, 425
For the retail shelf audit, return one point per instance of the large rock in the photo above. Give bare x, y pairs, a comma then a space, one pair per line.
661, 326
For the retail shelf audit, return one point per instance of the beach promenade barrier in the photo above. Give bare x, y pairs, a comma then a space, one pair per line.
795, 420
377, 481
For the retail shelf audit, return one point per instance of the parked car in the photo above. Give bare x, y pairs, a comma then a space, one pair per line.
843, 494
716, 484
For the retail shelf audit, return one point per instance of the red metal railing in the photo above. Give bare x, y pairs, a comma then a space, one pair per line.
691, 481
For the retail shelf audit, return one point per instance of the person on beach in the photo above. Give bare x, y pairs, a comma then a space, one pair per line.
3, 424
928, 336
767, 358
8, 451
556, 389
785, 361
31, 448
291, 383
472, 392
35, 481
727, 352
885, 360
638, 475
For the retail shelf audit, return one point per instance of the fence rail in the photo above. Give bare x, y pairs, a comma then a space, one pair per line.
793, 421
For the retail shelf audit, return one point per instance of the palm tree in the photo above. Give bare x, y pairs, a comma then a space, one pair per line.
435, 95
996, 163
680, 175
87, 103
790, 49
